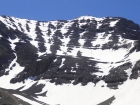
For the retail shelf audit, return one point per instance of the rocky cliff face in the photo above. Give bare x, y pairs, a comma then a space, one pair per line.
83, 50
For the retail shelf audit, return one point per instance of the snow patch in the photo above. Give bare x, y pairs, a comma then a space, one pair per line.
62, 63
113, 23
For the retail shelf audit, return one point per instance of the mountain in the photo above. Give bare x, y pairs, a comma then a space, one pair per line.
84, 61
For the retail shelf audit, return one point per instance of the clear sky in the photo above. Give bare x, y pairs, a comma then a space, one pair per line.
45, 10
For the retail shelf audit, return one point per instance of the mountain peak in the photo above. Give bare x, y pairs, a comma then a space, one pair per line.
97, 53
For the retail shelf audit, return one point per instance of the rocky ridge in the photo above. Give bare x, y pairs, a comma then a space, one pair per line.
83, 50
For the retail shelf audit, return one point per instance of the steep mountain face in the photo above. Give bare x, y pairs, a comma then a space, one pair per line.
41, 60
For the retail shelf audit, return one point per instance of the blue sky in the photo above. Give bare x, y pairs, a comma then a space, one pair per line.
45, 10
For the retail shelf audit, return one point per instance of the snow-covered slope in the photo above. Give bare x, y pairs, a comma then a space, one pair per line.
84, 61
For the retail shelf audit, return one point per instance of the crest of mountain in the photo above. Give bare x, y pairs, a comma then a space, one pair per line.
41, 62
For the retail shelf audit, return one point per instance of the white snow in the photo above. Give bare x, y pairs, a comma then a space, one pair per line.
98, 25
12, 73
64, 47
90, 17
75, 95
6, 23
41, 53
81, 41
55, 60
27, 100
85, 17
62, 63
68, 94
65, 27
128, 93
113, 23
101, 39
12, 43
13, 48
76, 65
